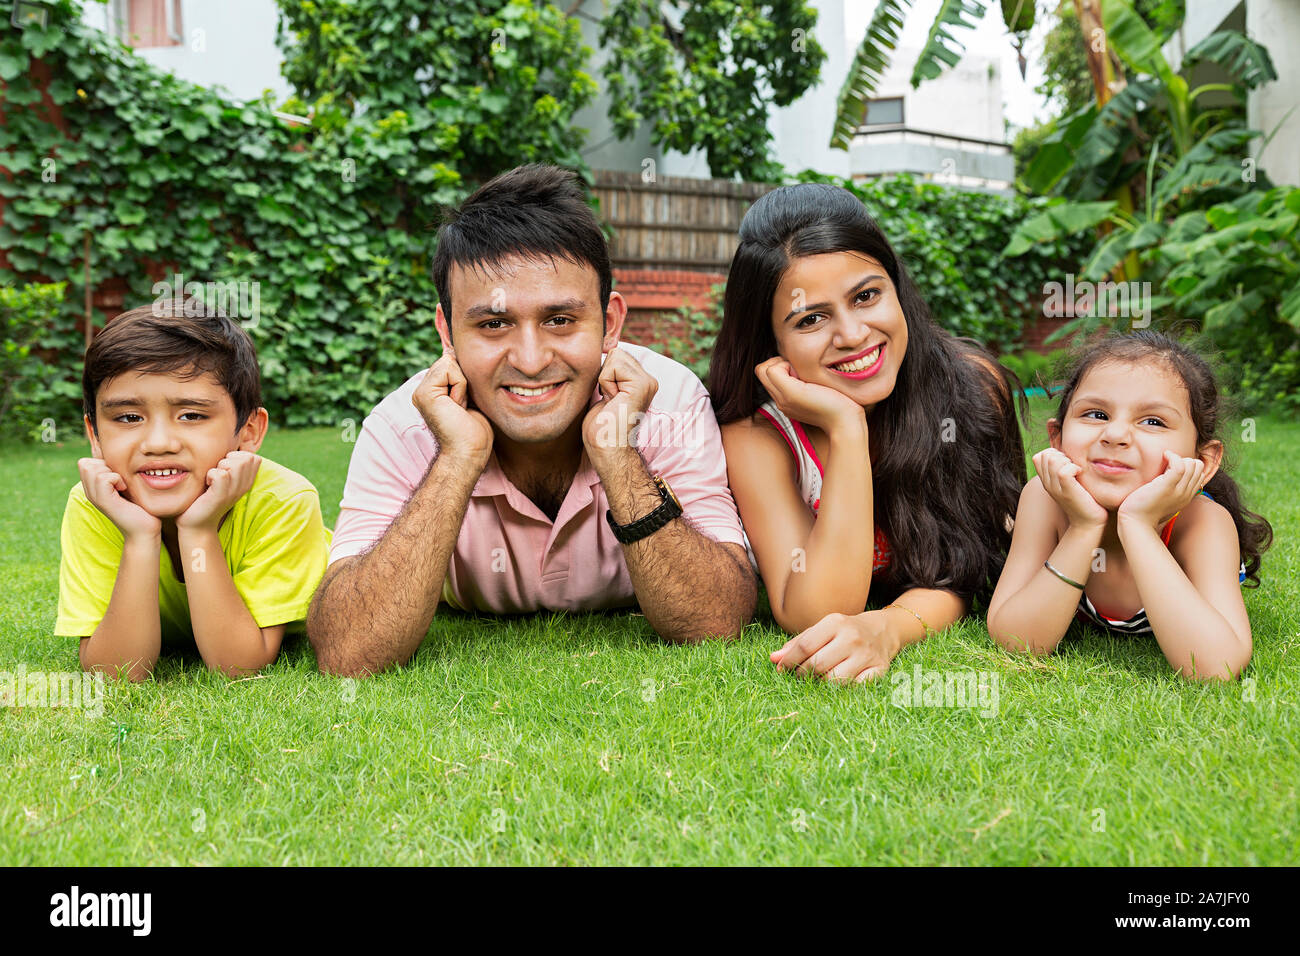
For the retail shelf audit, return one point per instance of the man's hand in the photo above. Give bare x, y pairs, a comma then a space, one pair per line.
1165, 495
806, 402
1059, 476
841, 647
442, 398
627, 391
107, 491
229, 481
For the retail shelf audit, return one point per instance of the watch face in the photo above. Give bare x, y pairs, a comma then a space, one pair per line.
669, 492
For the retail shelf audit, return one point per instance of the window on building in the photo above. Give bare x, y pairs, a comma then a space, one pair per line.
148, 23
884, 112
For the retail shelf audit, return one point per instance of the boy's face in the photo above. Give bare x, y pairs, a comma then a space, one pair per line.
537, 327
1120, 421
150, 424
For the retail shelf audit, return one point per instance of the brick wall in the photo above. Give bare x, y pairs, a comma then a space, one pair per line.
1035, 330
653, 295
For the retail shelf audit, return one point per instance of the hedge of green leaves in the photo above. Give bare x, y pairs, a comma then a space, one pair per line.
332, 221
25, 313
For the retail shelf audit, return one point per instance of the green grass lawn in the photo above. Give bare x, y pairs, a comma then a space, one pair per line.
584, 739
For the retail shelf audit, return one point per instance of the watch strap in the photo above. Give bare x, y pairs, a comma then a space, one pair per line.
668, 509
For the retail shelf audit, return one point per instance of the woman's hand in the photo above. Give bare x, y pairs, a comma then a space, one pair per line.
841, 647
1059, 476
1166, 494
806, 402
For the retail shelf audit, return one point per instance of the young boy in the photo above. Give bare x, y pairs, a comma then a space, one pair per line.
178, 529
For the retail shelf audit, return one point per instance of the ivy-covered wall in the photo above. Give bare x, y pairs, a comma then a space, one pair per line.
331, 224
334, 222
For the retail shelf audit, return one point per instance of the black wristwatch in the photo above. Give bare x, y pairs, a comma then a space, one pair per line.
643, 527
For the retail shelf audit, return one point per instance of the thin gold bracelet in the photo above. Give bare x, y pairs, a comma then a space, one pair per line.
927, 627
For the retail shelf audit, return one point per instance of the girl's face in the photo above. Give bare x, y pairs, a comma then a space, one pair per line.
1122, 418
838, 322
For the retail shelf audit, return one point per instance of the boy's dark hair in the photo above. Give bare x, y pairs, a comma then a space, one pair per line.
532, 210
158, 339
1205, 401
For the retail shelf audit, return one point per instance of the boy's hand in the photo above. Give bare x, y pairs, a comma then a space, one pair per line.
626, 391
107, 492
807, 402
442, 398
841, 647
227, 483
1167, 493
1060, 480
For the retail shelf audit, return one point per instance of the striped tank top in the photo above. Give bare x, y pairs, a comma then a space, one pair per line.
809, 469
1138, 623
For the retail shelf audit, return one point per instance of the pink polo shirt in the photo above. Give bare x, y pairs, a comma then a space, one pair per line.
509, 557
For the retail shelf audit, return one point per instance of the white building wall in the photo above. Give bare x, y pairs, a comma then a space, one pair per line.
1275, 105
228, 43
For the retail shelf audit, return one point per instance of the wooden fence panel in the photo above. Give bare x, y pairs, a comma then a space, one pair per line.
673, 222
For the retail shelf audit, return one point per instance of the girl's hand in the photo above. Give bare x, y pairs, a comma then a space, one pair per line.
1166, 494
1059, 476
806, 402
841, 647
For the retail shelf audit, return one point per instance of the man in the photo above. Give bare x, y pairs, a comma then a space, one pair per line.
538, 464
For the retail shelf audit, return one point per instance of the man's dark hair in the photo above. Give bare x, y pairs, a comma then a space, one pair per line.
159, 339
533, 211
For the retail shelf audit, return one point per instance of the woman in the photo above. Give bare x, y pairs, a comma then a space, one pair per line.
870, 452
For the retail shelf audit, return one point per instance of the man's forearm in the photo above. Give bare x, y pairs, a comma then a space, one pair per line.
129, 637
374, 610
668, 566
225, 632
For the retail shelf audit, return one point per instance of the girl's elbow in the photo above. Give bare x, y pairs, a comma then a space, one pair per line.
1228, 670
1017, 644
1002, 637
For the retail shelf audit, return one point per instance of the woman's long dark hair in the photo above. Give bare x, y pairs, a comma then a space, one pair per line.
1147, 346
947, 459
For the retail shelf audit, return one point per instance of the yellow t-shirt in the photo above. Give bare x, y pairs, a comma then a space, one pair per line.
274, 540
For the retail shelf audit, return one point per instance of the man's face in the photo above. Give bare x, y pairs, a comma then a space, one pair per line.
162, 434
529, 340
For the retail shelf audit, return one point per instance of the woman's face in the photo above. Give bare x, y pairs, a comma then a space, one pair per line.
838, 322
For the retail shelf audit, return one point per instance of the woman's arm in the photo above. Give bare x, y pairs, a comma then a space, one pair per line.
858, 647
1031, 608
1193, 598
811, 567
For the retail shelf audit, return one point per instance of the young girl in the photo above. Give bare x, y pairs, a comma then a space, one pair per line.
869, 451
1131, 523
